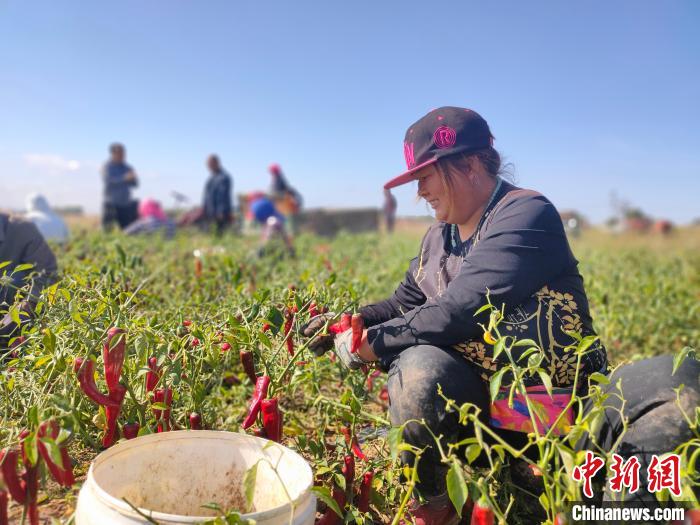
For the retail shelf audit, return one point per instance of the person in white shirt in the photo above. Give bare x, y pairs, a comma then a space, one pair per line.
49, 223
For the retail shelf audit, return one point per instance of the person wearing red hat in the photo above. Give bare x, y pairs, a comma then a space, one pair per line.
287, 199
493, 242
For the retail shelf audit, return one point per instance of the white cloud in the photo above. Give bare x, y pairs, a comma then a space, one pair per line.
54, 164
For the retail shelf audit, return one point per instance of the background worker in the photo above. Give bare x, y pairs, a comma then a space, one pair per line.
286, 198
389, 209
152, 219
22, 243
216, 206
118, 177
262, 210
50, 224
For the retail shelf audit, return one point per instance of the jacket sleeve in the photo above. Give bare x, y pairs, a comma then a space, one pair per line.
222, 199
406, 297
522, 249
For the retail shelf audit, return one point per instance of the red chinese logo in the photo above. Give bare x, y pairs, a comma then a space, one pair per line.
587, 471
625, 474
665, 474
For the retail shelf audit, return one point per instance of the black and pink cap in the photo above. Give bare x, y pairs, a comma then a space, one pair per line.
442, 132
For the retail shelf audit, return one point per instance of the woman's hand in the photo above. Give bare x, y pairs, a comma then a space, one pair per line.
365, 351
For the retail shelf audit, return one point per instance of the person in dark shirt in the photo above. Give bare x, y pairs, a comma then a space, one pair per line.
492, 242
21, 243
118, 178
216, 205
389, 209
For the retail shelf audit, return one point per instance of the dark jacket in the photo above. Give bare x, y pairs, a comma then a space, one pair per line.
521, 255
21, 243
217, 196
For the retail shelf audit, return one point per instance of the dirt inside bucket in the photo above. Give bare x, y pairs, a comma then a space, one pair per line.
174, 496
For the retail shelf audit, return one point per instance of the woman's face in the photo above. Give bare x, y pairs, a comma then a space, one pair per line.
431, 188
453, 207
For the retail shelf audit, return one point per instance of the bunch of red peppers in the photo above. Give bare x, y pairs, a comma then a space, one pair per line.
113, 353
24, 487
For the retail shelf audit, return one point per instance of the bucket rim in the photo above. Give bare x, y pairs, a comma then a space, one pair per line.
121, 506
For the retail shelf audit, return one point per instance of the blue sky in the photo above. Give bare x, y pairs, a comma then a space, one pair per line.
584, 98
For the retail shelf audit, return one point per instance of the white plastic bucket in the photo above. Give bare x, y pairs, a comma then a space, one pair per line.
169, 476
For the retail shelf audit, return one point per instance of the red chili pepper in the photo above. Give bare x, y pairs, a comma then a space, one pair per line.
365, 491
482, 514
231, 380
560, 519
197, 267
113, 352
272, 419
186, 322
4, 520
15, 485
225, 347
153, 374
164, 396
370, 379
31, 479
259, 393
194, 343
335, 328
345, 321
63, 473
313, 310
195, 421
131, 430
112, 413
358, 326
330, 517
348, 471
301, 363
288, 323
266, 327
248, 364
352, 442
85, 370
384, 394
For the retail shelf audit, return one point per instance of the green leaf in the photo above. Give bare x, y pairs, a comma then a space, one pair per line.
499, 347
482, 309
457, 487
525, 342
495, 383
394, 438
324, 494
249, 485
53, 450
680, 357
546, 381
22, 267
599, 378
30, 448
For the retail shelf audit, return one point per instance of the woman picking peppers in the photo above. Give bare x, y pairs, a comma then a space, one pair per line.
492, 242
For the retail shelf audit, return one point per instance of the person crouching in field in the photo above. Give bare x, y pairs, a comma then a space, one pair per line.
152, 219
21, 243
492, 242
263, 211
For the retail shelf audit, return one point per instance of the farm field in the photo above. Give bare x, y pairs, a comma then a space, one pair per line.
194, 316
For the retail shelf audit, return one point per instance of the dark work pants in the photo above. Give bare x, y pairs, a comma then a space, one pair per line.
122, 215
655, 424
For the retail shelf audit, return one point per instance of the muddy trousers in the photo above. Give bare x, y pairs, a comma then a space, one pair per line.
655, 424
